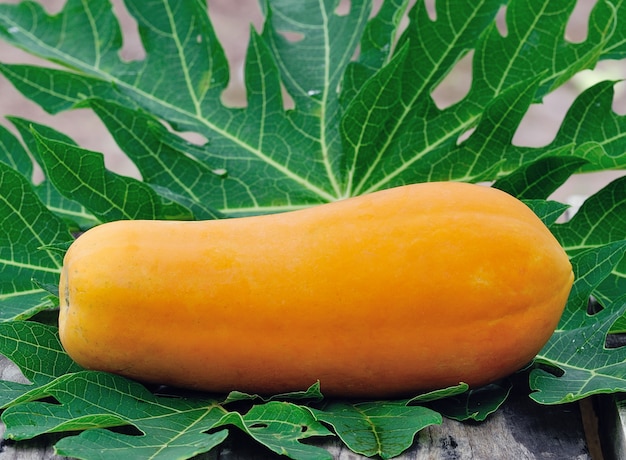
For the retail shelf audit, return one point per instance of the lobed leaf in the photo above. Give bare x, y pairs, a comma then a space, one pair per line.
72, 212
439, 394
577, 347
265, 138
313, 393
591, 122
36, 350
280, 426
383, 428
476, 404
93, 401
540, 178
376, 47
600, 220
163, 159
80, 175
26, 226
548, 211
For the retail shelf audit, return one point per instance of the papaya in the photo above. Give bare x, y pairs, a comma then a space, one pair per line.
392, 293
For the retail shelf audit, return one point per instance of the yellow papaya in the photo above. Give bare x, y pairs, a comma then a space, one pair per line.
387, 294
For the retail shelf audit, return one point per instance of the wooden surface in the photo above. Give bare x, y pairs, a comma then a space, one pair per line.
519, 430
612, 426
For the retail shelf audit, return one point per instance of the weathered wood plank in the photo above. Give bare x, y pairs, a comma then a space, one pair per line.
37, 449
611, 411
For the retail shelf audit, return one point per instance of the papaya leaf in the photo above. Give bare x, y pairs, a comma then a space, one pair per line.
81, 176
59, 247
367, 114
579, 364
599, 221
73, 213
162, 159
439, 394
26, 225
616, 45
301, 152
525, 20
476, 404
383, 428
540, 178
313, 393
49, 287
59, 90
280, 426
376, 46
93, 401
36, 350
548, 211
589, 114
13, 154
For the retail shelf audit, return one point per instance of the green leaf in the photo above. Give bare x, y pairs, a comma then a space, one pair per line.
59, 90
600, 220
280, 426
534, 27
49, 287
475, 404
313, 393
262, 137
591, 114
439, 394
547, 211
26, 226
162, 158
300, 152
80, 175
367, 116
26, 21
376, 46
91, 401
59, 247
406, 155
77, 217
539, 179
13, 154
616, 46
36, 350
384, 428
581, 365
312, 68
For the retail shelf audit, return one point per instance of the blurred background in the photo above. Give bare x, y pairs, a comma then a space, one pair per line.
232, 20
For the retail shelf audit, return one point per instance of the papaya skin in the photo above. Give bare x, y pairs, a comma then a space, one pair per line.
383, 295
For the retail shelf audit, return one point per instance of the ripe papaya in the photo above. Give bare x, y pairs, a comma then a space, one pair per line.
408, 289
